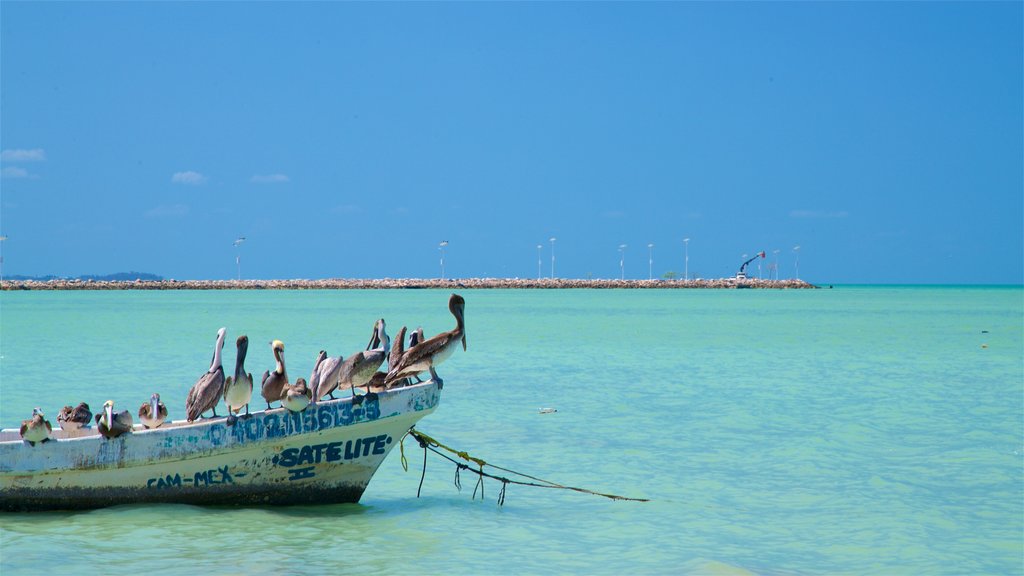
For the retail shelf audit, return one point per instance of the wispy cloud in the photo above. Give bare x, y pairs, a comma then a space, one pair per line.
22, 155
167, 211
16, 172
269, 178
613, 214
820, 214
191, 178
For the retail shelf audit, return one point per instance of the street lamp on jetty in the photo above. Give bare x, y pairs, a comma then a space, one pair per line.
552, 240
686, 244
441, 247
650, 261
539, 248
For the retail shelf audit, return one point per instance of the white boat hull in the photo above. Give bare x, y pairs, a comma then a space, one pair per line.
326, 454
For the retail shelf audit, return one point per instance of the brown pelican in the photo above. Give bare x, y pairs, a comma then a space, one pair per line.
365, 364
428, 354
111, 424
71, 419
296, 396
238, 388
273, 383
207, 391
153, 413
328, 376
36, 429
398, 348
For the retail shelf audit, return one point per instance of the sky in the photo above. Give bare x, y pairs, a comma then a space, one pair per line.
348, 140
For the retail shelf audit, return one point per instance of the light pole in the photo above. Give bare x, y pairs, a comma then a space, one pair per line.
2, 238
441, 248
552, 240
686, 243
797, 250
776, 253
539, 248
622, 261
650, 261
238, 257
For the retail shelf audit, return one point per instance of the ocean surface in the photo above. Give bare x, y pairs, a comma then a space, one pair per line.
854, 430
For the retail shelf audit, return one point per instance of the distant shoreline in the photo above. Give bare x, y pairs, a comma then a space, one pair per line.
399, 283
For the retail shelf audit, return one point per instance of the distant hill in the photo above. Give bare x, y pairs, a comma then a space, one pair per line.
117, 277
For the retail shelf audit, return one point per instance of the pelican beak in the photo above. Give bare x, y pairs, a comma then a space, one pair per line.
463, 342
154, 406
375, 339
109, 415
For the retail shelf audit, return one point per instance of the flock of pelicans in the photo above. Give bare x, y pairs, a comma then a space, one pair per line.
361, 370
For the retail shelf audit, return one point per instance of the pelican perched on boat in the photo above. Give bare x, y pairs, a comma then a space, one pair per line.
314, 377
365, 364
238, 388
153, 413
206, 392
112, 424
71, 419
296, 396
428, 354
273, 383
327, 376
397, 349
36, 429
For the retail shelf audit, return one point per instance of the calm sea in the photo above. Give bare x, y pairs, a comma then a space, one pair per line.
858, 430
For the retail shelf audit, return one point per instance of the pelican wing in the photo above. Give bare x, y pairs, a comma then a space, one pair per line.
205, 394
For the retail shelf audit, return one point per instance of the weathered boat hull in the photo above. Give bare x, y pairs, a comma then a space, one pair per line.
325, 454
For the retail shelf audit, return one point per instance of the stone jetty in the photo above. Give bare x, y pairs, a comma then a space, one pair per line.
398, 283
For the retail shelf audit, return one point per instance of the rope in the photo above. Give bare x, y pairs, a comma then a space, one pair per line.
428, 443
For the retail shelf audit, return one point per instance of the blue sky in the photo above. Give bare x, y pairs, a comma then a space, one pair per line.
349, 139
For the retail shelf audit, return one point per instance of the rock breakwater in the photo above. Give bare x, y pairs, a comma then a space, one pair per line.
398, 283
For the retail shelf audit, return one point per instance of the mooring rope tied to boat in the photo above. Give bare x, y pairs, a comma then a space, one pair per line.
428, 443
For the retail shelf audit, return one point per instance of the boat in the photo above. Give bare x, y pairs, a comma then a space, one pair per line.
323, 455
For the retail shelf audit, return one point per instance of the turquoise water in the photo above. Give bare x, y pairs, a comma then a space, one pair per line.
855, 430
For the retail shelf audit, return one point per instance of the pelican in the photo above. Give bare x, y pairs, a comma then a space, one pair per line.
414, 339
398, 348
328, 375
273, 383
207, 391
365, 364
111, 424
153, 413
296, 396
238, 388
428, 354
314, 377
36, 429
71, 419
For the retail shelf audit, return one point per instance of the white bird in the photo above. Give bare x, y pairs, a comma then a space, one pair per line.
428, 354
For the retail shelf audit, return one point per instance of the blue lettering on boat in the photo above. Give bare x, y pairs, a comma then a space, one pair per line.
211, 477
333, 451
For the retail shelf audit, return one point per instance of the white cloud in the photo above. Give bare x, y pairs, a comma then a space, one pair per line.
167, 211
818, 214
269, 178
21, 155
191, 178
15, 172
